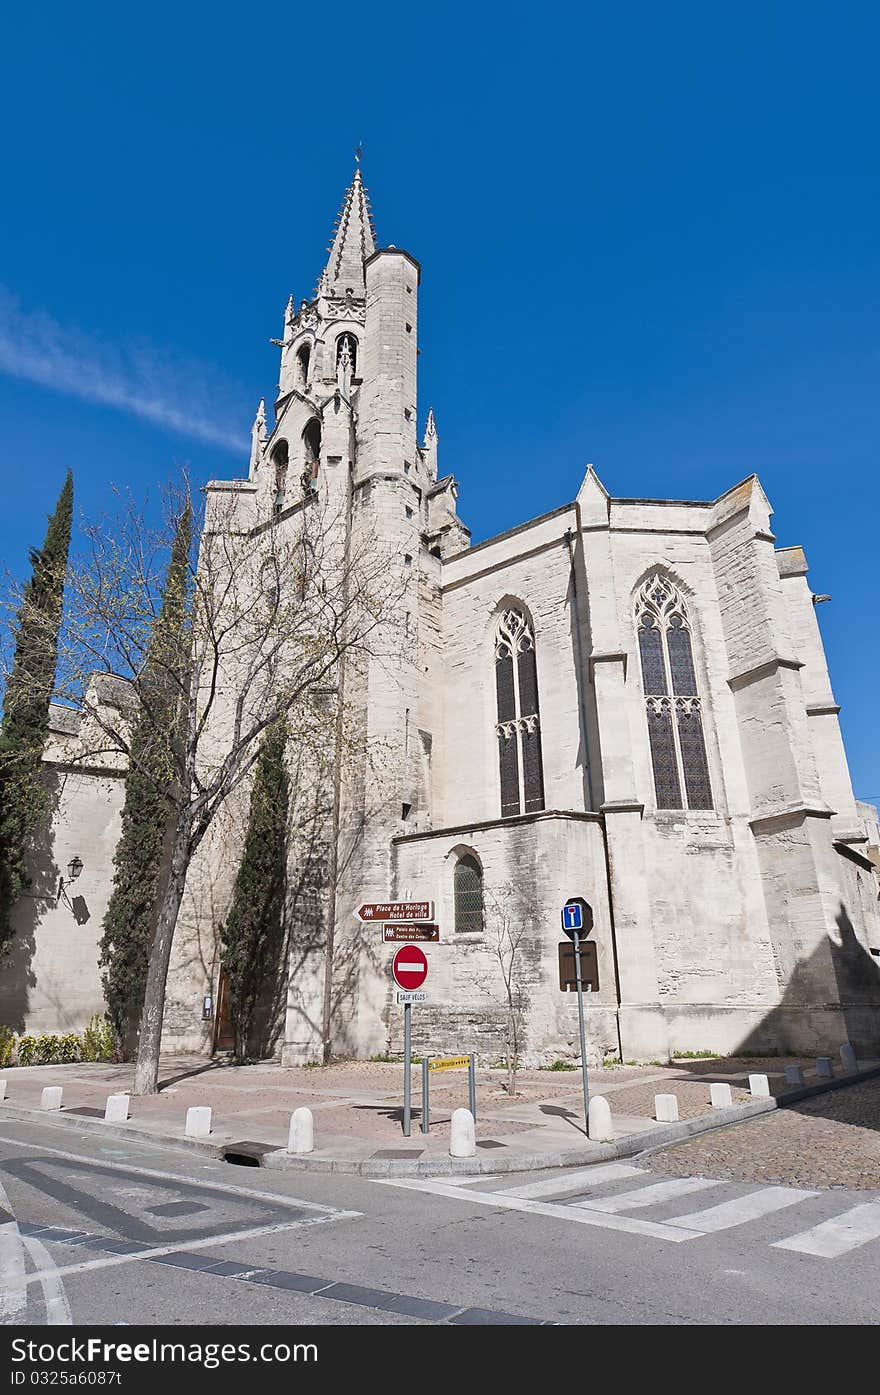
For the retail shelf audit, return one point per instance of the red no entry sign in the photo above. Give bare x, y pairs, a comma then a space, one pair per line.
409, 966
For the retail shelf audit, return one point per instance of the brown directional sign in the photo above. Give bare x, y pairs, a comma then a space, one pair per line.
589, 966
399, 934
419, 911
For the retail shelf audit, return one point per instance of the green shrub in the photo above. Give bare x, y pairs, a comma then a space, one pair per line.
559, 1065
47, 1048
96, 1042
69, 1048
7, 1042
27, 1048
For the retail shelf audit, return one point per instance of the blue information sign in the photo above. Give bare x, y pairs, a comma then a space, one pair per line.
577, 917
572, 916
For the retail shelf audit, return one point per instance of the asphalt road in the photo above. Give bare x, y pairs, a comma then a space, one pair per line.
107, 1233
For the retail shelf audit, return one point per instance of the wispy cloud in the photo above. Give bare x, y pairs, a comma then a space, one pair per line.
174, 392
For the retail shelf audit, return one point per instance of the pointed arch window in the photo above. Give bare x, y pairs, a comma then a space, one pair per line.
280, 460
672, 700
346, 354
518, 727
468, 887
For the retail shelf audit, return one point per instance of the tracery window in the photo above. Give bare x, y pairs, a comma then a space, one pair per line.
518, 726
468, 887
672, 700
346, 353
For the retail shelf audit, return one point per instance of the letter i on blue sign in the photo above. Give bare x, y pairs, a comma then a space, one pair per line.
574, 917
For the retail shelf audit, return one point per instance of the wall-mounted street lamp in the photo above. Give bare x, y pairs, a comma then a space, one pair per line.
74, 868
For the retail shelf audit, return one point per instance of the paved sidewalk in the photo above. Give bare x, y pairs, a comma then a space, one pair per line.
358, 1110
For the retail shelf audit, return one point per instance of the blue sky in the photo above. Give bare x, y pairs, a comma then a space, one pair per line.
648, 236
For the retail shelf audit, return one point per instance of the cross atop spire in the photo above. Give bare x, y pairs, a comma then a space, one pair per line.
354, 239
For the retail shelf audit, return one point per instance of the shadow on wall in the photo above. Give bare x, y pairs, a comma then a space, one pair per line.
844, 964
17, 977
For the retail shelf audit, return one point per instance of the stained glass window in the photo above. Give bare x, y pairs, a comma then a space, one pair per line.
651, 650
468, 894
675, 723
518, 725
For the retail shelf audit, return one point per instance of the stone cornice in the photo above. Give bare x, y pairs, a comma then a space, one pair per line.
571, 815
791, 813
743, 677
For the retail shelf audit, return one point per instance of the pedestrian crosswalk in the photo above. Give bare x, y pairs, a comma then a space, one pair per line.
607, 1194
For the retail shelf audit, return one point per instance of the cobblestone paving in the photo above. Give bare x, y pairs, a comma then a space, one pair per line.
830, 1141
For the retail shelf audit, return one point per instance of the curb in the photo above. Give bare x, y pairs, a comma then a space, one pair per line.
279, 1160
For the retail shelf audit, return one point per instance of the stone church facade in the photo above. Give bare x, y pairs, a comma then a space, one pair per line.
623, 699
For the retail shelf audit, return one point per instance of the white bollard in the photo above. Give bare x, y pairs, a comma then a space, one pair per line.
462, 1135
198, 1121
51, 1097
301, 1138
2, 1089
666, 1109
848, 1058
600, 1128
824, 1068
759, 1086
794, 1075
720, 1096
116, 1109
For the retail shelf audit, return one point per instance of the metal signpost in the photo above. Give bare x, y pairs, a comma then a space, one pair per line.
410, 969
577, 920
432, 1063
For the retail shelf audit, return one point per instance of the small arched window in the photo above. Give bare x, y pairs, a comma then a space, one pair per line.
468, 894
346, 353
303, 359
312, 441
312, 453
280, 460
672, 701
518, 727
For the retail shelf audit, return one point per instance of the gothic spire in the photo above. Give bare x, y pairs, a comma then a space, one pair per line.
354, 238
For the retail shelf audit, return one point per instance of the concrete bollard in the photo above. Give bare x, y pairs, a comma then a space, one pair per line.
600, 1128
116, 1109
794, 1075
759, 1086
720, 1096
462, 1135
848, 1059
51, 1097
198, 1121
824, 1068
2, 1089
666, 1109
301, 1138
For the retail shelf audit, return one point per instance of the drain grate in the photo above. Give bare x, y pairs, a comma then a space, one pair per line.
247, 1153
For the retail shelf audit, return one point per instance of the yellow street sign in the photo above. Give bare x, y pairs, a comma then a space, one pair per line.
449, 1063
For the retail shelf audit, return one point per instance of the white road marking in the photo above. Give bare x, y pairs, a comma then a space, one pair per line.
503, 1201
112, 1261
741, 1209
577, 1180
57, 1307
839, 1235
278, 1199
648, 1196
13, 1288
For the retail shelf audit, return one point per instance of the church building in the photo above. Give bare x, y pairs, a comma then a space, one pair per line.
625, 700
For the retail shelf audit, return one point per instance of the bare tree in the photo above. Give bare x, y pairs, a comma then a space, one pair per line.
272, 611
510, 922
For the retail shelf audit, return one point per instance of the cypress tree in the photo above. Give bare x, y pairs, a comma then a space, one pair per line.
24, 797
139, 862
253, 933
